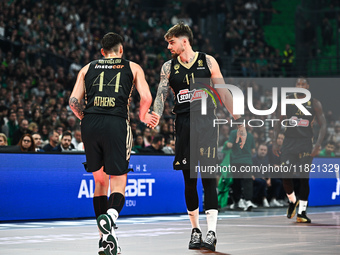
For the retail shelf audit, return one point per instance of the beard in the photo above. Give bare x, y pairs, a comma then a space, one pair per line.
174, 55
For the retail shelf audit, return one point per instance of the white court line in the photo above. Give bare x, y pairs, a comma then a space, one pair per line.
94, 235
138, 220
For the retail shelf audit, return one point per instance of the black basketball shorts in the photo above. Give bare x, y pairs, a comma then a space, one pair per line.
296, 152
196, 141
108, 142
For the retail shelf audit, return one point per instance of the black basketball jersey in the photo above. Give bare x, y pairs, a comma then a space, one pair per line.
303, 124
183, 81
108, 85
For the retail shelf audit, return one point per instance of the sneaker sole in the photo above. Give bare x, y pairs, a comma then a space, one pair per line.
104, 224
195, 246
294, 211
110, 245
208, 247
302, 220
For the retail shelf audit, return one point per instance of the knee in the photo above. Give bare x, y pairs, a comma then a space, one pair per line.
102, 182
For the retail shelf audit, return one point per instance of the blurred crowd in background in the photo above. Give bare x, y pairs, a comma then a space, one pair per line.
45, 43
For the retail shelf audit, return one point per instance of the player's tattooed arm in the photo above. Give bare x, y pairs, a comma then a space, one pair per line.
78, 93
163, 88
210, 65
76, 107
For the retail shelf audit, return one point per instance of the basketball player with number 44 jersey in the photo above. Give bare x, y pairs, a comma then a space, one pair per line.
106, 85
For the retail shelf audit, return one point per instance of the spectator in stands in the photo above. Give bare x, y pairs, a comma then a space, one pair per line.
328, 151
288, 58
23, 129
276, 192
156, 145
44, 131
267, 184
26, 143
53, 141
259, 181
147, 137
65, 143
242, 185
262, 66
248, 66
76, 139
335, 135
39, 90
165, 131
12, 126
3, 139
169, 148
72, 123
37, 142
33, 127
138, 144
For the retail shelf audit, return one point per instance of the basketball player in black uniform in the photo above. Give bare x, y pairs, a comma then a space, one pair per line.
298, 150
107, 85
180, 74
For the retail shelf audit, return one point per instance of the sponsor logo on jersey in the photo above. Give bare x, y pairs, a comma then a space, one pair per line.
186, 95
299, 122
108, 66
200, 65
176, 67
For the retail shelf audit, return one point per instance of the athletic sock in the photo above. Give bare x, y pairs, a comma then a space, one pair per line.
99, 205
116, 201
194, 218
292, 197
113, 214
302, 206
211, 219
115, 205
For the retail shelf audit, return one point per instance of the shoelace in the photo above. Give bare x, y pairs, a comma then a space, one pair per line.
195, 238
210, 238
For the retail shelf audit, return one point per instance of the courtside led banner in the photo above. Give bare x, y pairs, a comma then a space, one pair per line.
54, 186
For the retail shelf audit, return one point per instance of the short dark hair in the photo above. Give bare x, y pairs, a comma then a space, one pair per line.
331, 143
157, 138
51, 133
262, 144
111, 42
178, 30
66, 133
169, 140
